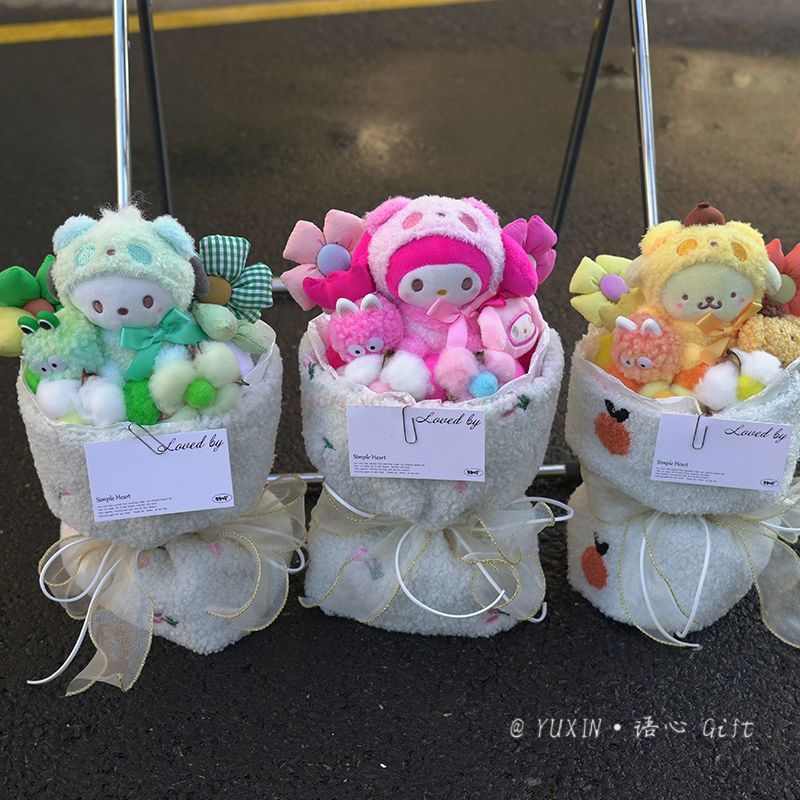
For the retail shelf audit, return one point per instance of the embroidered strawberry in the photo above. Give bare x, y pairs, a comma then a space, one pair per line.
594, 567
611, 431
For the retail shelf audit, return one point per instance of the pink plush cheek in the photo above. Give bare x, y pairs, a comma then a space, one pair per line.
679, 305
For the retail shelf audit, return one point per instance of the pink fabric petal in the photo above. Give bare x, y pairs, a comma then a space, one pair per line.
351, 284
343, 228
775, 252
304, 243
517, 230
540, 236
293, 280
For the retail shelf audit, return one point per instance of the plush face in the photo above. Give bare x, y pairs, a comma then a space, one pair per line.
708, 287
644, 350
114, 301
57, 347
459, 284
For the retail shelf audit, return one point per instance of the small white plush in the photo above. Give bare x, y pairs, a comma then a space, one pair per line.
405, 372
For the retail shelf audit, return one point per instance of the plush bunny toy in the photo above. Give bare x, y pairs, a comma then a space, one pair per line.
440, 259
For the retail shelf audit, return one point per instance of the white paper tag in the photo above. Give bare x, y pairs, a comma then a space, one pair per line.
410, 442
146, 476
710, 451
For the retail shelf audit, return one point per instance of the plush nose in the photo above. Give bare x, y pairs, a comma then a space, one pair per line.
710, 298
122, 311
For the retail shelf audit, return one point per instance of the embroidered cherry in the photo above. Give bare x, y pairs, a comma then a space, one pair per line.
594, 567
611, 431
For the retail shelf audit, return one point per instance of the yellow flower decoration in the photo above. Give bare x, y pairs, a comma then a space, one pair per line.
602, 291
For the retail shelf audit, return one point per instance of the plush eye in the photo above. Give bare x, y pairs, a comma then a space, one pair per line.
685, 297
42, 368
28, 325
55, 363
644, 362
417, 285
140, 254
466, 284
356, 350
733, 294
84, 255
47, 320
628, 362
375, 344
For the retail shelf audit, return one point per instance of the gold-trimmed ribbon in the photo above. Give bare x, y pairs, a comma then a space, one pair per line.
97, 582
767, 532
499, 544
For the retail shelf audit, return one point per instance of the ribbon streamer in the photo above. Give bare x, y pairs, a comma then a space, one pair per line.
118, 614
497, 544
775, 526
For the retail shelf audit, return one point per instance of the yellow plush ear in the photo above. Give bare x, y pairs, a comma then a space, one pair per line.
656, 237
746, 231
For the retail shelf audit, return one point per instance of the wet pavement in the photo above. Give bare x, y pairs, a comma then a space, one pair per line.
275, 121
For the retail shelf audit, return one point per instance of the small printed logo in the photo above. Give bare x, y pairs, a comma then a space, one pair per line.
222, 498
769, 482
473, 472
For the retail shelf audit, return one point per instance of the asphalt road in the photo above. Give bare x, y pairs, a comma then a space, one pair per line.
275, 121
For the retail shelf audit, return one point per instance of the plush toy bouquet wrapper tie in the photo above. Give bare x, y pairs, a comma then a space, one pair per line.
672, 558
429, 306
154, 339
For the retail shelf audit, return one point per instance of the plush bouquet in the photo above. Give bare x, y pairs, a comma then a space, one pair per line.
140, 336
703, 322
427, 304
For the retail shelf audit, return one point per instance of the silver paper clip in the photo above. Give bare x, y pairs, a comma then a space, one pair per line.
406, 429
695, 446
160, 449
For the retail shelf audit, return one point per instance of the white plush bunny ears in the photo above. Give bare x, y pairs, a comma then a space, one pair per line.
345, 306
649, 326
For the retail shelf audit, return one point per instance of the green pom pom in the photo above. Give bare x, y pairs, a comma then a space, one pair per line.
139, 405
200, 394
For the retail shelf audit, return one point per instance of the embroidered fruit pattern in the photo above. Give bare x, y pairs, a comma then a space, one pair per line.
611, 431
594, 567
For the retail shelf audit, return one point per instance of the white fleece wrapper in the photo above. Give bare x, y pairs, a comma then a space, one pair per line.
518, 421
588, 419
58, 454
606, 560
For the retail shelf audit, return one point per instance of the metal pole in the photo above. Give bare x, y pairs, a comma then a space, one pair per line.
594, 59
122, 102
145, 10
644, 108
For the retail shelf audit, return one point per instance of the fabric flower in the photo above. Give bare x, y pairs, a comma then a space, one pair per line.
325, 258
225, 257
789, 267
603, 293
538, 239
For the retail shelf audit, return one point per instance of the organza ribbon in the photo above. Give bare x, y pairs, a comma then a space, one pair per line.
775, 526
710, 325
498, 544
98, 582
175, 327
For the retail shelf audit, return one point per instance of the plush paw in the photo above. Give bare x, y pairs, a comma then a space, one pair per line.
454, 370
483, 385
364, 370
56, 399
406, 372
218, 364
101, 402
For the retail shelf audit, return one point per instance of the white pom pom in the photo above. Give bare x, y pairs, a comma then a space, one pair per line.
217, 363
169, 383
717, 388
406, 372
763, 367
363, 370
57, 398
101, 402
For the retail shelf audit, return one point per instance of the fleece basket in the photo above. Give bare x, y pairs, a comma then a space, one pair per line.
518, 421
613, 432
201, 590
58, 454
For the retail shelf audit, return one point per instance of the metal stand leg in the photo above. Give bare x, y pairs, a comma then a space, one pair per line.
644, 109
593, 60
122, 102
151, 66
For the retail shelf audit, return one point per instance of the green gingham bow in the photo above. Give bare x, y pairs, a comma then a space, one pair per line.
251, 286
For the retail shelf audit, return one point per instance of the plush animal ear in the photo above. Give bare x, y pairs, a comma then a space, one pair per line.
71, 230
345, 306
658, 235
201, 284
371, 301
170, 229
627, 324
51, 285
651, 327
487, 212
384, 212
773, 279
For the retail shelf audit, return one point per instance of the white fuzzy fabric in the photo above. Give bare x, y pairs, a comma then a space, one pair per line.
439, 580
590, 387
60, 462
678, 545
516, 437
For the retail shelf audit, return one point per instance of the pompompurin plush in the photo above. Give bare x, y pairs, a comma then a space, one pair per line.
708, 276
440, 259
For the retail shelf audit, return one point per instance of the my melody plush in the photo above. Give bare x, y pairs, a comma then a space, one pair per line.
427, 302
139, 335
682, 329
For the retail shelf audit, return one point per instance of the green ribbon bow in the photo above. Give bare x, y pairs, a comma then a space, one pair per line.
251, 286
175, 327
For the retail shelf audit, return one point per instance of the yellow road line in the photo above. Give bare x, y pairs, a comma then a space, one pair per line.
207, 17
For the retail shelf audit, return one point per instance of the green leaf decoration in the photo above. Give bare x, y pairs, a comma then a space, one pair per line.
327, 443
523, 401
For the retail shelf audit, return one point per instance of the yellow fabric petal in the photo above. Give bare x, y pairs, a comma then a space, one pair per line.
586, 278
614, 265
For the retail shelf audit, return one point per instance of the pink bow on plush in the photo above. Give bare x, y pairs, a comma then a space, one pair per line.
537, 239
324, 256
458, 319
